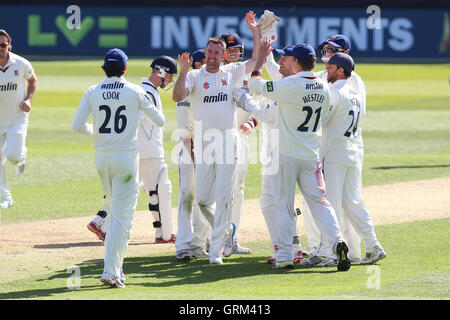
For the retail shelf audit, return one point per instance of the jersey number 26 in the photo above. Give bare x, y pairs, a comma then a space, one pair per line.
120, 120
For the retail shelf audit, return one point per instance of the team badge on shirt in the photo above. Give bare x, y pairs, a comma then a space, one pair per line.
269, 86
16, 73
224, 82
206, 85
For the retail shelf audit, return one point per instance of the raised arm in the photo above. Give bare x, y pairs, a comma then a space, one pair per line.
180, 91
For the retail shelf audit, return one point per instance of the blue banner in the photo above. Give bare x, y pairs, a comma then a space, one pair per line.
151, 31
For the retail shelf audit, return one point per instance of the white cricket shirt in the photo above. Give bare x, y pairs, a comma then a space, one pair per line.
115, 104
150, 136
211, 95
302, 100
185, 119
13, 89
357, 84
340, 143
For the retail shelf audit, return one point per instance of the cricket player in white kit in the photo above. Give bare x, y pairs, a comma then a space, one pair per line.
302, 101
153, 173
266, 111
187, 204
341, 154
115, 105
339, 44
18, 85
215, 137
245, 124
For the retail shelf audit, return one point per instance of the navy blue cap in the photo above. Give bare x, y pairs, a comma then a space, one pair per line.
303, 52
197, 56
232, 40
342, 60
116, 58
338, 41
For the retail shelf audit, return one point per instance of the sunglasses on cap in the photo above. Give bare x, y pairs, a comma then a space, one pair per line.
4, 44
326, 50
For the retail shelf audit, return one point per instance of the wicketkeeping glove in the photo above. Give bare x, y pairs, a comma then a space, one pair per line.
267, 25
239, 96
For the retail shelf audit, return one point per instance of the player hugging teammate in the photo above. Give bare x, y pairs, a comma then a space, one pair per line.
314, 117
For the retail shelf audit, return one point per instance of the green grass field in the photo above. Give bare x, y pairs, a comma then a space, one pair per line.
406, 135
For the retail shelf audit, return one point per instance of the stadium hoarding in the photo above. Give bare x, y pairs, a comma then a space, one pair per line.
149, 31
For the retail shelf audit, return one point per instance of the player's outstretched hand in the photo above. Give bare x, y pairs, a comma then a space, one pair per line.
185, 62
250, 20
266, 47
26, 105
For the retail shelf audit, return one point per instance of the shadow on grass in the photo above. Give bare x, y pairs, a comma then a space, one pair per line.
67, 245
162, 272
412, 167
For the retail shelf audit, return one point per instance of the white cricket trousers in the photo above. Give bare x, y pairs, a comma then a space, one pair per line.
152, 172
13, 149
187, 205
242, 169
351, 236
215, 181
345, 194
118, 172
308, 176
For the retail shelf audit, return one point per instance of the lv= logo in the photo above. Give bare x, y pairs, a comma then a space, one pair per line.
74, 29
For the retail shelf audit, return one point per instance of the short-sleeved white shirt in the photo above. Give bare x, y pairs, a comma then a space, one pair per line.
13, 89
211, 95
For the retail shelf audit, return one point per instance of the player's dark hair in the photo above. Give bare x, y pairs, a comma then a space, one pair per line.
217, 40
111, 71
308, 65
4, 33
347, 74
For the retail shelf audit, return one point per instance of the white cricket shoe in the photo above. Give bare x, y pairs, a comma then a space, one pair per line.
20, 168
318, 261
184, 255
215, 260
371, 257
238, 249
6, 202
113, 282
199, 253
229, 244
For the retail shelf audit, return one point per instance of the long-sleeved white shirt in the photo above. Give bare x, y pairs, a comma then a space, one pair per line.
150, 136
340, 143
302, 100
115, 104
